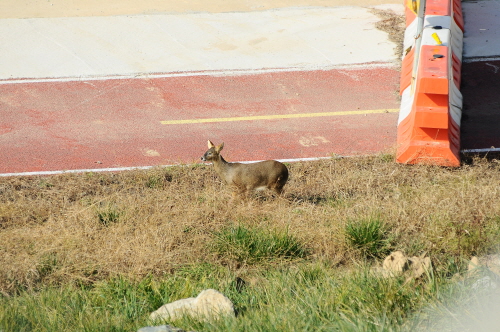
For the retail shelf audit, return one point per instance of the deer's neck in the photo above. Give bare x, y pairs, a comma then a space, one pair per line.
221, 167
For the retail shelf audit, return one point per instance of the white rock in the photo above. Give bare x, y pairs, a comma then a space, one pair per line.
395, 263
209, 304
419, 265
492, 262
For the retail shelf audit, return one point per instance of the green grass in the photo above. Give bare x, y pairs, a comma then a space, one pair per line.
369, 236
108, 216
305, 297
252, 245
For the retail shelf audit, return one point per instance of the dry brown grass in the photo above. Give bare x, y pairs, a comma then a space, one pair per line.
91, 226
394, 25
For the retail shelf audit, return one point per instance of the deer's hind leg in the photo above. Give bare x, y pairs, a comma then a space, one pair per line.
278, 186
240, 193
278, 190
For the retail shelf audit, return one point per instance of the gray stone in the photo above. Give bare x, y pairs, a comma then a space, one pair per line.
484, 283
161, 328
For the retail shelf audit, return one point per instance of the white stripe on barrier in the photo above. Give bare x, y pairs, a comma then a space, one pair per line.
407, 98
410, 34
457, 40
437, 23
444, 35
455, 101
432, 21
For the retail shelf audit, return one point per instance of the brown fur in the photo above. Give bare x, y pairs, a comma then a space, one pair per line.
244, 178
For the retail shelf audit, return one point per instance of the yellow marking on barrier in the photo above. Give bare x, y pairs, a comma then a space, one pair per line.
437, 39
414, 6
277, 116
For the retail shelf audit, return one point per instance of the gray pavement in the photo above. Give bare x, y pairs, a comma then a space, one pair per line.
304, 38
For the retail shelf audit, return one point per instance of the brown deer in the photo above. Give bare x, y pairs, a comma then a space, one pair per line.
244, 178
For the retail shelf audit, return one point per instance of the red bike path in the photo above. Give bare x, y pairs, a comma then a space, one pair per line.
113, 123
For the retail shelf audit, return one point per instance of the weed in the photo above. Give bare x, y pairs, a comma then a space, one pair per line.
108, 215
44, 183
253, 245
48, 264
369, 236
154, 181
387, 157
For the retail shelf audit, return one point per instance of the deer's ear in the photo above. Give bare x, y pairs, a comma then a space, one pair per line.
218, 148
210, 144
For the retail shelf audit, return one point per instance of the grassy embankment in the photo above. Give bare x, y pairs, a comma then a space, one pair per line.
99, 252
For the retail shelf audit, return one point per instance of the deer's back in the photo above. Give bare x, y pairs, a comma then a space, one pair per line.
254, 175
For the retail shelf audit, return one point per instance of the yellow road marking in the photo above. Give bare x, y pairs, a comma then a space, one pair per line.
278, 116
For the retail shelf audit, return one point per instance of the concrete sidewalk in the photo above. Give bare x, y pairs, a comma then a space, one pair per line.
305, 38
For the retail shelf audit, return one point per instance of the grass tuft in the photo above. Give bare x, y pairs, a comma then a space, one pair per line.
369, 236
108, 215
253, 245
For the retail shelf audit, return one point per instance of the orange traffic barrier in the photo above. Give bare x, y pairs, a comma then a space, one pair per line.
438, 7
430, 114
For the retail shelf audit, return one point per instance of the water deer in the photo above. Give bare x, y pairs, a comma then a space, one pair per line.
245, 178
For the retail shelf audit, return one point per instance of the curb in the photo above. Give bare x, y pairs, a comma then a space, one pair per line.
431, 102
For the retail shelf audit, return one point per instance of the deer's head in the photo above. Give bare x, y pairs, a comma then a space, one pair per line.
213, 152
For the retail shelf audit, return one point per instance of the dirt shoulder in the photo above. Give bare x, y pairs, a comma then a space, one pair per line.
74, 8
